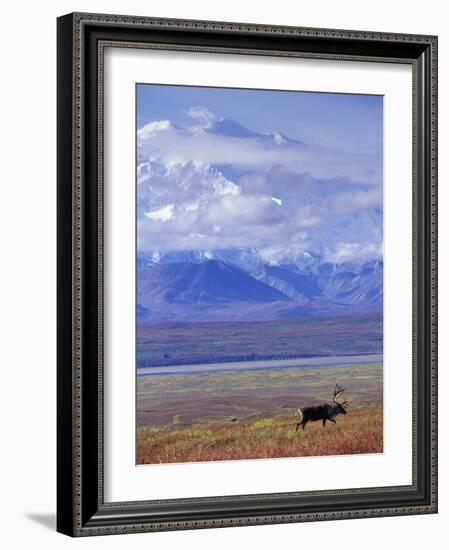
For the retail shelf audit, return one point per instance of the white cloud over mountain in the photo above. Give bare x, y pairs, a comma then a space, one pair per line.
218, 185
201, 113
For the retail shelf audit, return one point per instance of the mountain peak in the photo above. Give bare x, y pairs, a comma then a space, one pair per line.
229, 128
281, 139
210, 282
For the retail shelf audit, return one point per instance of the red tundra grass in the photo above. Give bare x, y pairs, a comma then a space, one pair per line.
360, 431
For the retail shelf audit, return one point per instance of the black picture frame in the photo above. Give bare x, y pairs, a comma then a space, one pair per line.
81, 510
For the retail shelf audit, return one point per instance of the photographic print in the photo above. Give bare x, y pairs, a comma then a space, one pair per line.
259, 273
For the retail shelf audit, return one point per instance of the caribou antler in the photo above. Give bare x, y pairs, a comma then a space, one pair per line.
338, 390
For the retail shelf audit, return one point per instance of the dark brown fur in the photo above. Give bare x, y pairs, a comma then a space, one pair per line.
319, 412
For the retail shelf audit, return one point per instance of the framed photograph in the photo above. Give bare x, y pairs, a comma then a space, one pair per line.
247, 278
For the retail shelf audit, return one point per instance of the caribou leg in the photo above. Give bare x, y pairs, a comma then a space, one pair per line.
297, 426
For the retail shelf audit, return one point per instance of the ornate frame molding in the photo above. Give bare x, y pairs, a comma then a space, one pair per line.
82, 510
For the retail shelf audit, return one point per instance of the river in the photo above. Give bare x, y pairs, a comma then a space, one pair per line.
332, 361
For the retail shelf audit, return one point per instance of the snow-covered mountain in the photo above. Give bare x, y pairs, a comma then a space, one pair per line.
214, 187
357, 284
231, 128
203, 289
237, 224
300, 287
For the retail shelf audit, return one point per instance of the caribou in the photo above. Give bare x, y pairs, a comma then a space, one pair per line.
323, 412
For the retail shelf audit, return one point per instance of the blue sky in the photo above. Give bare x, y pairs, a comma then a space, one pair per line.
278, 172
348, 121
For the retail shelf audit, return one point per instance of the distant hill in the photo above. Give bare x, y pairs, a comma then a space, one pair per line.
210, 282
213, 290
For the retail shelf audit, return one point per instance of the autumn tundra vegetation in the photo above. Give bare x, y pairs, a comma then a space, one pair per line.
254, 414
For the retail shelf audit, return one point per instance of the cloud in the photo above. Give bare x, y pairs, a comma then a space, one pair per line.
338, 204
199, 112
188, 233
204, 191
163, 214
284, 182
286, 250
155, 128
243, 210
258, 153
347, 203
346, 252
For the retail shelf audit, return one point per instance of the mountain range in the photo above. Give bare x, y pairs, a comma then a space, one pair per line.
201, 289
241, 225
213, 187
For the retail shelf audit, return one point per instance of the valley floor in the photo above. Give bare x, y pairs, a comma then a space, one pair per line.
220, 342
252, 414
